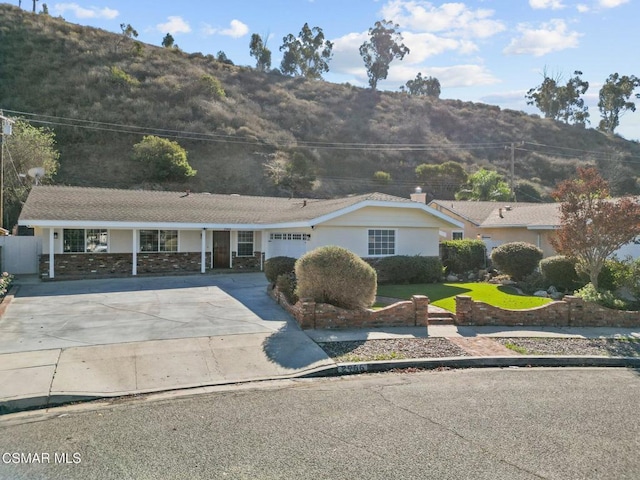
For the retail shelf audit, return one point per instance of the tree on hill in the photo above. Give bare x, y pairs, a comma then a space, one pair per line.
593, 226
561, 102
128, 33
292, 173
306, 55
162, 159
485, 185
258, 49
442, 181
384, 46
27, 147
168, 41
614, 100
428, 86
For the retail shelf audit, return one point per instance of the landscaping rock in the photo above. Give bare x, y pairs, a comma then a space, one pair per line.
452, 278
541, 293
551, 290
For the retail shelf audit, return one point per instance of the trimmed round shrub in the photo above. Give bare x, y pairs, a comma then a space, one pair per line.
460, 256
516, 259
559, 271
402, 269
276, 266
336, 276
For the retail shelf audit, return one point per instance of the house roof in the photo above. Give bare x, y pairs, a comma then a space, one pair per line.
520, 214
47, 205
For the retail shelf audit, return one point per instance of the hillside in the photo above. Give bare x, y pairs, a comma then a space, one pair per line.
71, 73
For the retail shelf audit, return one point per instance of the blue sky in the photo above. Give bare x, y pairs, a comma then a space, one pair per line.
489, 51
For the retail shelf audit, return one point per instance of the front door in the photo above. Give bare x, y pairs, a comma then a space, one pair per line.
221, 249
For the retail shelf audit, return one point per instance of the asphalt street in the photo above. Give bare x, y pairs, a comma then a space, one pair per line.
458, 424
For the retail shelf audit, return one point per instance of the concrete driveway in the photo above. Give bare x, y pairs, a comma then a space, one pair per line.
99, 312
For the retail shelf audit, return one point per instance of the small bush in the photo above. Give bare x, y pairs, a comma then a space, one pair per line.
460, 256
532, 283
5, 283
336, 276
276, 266
402, 269
602, 297
286, 283
559, 271
516, 259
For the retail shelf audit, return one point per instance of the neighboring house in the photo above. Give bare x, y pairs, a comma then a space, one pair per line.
496, 223
108, 232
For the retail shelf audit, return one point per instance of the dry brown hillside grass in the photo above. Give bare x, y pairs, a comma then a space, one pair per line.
52, 67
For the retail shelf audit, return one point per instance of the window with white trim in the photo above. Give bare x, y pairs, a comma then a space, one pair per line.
79, 240
457, 235
382, 242
289, 236
158, 241
245, 244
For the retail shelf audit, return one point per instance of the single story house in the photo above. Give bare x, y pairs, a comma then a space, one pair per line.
496, 223
99, 231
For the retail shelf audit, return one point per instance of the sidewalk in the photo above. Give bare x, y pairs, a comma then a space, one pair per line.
40, 379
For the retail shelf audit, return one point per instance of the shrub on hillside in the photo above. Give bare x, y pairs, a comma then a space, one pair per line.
276, 266
408, 269
516, 259
559, 271
336, 276
460, 256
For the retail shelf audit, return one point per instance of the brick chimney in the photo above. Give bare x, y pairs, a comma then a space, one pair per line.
418, 196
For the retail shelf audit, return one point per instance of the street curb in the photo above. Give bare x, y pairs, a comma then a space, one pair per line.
342, 369
354, 368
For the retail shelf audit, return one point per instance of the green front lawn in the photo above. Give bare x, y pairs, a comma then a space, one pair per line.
443, 294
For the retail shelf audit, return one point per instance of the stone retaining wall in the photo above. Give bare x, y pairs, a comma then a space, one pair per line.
570, 312
312, 315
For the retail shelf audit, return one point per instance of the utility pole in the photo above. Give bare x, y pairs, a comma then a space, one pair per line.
6, 130
513, 161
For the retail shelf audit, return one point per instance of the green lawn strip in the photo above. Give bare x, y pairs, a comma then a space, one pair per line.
443, 294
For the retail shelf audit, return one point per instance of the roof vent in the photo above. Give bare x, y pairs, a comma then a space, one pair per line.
507, 208
418, 190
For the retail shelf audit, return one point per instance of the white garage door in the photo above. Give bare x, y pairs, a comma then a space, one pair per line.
287, 244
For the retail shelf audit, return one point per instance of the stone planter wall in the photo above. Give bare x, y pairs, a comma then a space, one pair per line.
312, 315
570, 312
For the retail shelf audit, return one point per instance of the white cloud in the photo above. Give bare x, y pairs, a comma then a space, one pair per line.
174, 25
451, 19
545, 4
82, 12
552, 36
236, 29
611, 3
425, 45
582, 8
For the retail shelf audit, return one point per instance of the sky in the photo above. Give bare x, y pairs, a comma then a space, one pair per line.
489, 51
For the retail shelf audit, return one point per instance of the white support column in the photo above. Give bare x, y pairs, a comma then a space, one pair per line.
52, 247
134, 253
203, 250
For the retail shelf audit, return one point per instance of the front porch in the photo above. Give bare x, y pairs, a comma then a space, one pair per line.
115, 265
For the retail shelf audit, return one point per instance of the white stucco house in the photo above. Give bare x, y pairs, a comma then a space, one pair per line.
102, 232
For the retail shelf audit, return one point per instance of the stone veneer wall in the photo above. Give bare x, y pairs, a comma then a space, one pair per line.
247, 263
88, 265
311, 315
570, 312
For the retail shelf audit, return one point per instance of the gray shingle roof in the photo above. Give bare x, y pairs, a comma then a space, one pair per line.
520, 214
57, 203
